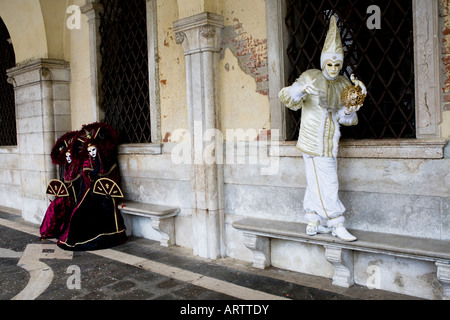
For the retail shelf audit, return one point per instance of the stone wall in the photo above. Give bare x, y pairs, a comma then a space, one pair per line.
444, 14
42, 98
386, 195
445, 21
149, 175
10, 178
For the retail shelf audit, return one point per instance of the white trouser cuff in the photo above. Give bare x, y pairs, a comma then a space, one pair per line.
314, 217
335, 221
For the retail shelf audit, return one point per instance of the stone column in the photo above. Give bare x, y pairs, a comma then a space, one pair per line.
153, 70
92, 10
200, 38
427, 68
42, 94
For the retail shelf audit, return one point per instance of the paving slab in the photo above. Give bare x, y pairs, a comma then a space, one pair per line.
141, 270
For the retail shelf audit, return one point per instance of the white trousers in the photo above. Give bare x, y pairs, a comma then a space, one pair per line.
321, 201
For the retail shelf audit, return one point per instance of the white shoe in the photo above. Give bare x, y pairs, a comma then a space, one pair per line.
342, 233
312, 229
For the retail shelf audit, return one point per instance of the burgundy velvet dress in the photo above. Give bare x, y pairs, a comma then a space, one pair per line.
95, 222
60, 209
85, 215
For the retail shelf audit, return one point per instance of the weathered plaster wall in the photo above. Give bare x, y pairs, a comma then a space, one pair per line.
243, 73
243, 76
242, 107
172, 72
80, 85
445, 25
187, 8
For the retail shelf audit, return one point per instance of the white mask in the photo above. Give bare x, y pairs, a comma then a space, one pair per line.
68, 158
331, 69
92, 151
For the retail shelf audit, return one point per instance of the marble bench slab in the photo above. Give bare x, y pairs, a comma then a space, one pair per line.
258, 232
162, 217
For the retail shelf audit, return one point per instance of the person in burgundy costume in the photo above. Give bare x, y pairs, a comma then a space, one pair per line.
95, 222
60, 209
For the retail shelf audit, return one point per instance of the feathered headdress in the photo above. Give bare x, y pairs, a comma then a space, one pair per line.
102, 135
61, 147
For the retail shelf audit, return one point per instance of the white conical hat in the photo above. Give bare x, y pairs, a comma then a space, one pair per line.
332, 48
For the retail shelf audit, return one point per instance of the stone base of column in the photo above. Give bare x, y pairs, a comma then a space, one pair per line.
42, 94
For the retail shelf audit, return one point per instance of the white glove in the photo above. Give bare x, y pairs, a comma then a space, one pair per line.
311, 89
358, 83
346, 117
296, 92
350, 110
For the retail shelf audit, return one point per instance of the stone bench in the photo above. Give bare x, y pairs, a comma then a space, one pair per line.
162, 218
258, 232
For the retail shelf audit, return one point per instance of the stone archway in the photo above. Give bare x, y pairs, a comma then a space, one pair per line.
8, 132
28, 33
41, 80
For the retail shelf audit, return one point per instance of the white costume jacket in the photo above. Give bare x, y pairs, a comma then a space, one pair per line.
319, 129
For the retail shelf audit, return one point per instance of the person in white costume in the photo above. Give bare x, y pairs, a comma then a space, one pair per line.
318, 93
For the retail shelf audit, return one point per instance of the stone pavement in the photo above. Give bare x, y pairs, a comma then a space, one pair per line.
141, 269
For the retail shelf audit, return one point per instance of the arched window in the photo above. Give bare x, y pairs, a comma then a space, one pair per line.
8, 133
125, 80
382, 58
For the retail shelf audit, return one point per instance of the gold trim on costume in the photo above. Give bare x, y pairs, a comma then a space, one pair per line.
74, 193
99, 235
102, 234
320, 195
318, 188
109, 171
106, 186
57, 188
96, 133
310, 153
70, 181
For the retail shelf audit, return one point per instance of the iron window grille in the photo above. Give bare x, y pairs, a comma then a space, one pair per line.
382, 58
8, 132
124, 69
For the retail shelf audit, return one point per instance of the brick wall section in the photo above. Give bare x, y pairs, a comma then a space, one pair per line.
250, 52
445, 23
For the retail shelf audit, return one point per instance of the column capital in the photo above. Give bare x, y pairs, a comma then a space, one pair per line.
198, 20
32, 72
199, 32
92, 9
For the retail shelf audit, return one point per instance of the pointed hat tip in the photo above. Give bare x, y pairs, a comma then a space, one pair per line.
333, 42
333, 24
